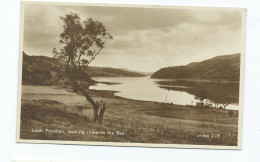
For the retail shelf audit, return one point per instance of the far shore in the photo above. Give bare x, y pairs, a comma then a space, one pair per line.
199, 80
180, 79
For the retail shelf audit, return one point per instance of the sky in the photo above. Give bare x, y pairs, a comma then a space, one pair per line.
145, 39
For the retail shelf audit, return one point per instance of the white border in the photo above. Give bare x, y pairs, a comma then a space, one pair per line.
239, 146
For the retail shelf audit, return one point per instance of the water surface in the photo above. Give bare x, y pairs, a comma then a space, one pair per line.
162, 90
138, 88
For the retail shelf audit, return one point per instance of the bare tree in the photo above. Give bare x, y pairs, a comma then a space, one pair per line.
82, 42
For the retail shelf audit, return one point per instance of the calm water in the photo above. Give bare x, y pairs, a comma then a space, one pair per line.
138, 88
147, 89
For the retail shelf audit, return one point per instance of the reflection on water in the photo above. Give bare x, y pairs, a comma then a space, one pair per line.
144, 88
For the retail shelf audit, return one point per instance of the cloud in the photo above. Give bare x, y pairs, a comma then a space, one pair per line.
152, 49
145, 39
122, 19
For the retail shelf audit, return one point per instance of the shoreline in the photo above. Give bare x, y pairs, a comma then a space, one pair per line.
141, 121
111, 94
199, 80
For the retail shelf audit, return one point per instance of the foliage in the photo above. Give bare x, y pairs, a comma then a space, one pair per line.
221, 100
82, 42
201, 95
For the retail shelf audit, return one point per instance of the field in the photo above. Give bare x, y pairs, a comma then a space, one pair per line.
127, 120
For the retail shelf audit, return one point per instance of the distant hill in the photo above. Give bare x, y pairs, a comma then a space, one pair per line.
219, 68
112, 72
42, 70
140, 72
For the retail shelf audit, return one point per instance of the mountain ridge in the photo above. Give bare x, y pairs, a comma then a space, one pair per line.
219, 68
41, 70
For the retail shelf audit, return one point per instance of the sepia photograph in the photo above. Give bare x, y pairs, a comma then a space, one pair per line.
131, 75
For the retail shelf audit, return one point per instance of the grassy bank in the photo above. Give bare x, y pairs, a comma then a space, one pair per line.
128, 120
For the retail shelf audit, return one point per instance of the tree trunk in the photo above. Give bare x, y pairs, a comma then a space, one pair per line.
95, 117
94, 105
101, 113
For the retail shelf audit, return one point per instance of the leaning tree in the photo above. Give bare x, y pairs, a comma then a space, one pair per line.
81, 42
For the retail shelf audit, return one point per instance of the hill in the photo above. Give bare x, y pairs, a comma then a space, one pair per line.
42, 70
140, 72
112, 72
219, 68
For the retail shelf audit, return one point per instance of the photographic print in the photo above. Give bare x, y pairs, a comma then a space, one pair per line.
131, 75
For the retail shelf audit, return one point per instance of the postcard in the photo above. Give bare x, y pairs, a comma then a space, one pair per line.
131, 75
